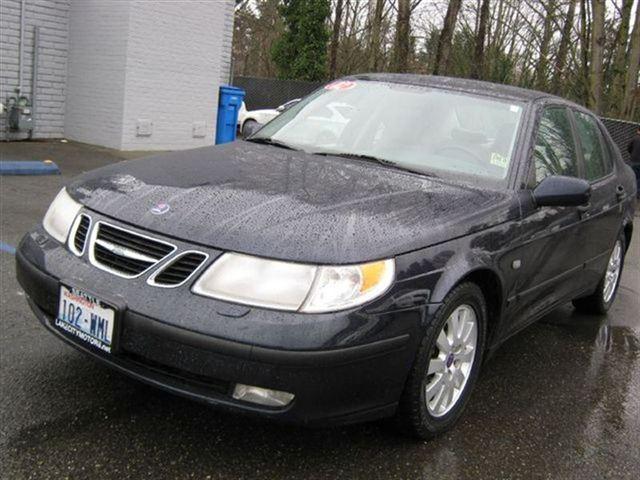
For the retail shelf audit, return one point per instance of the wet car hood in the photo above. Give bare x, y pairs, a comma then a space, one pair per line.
278, 203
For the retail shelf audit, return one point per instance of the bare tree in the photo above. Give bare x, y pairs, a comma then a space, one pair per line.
585, 46
563, 49
403, 36
632, 91
597, 56
478, 64
443, 52
548, 26
619, 66
335, 38
585, 50
353, 48
375, 37
258, 24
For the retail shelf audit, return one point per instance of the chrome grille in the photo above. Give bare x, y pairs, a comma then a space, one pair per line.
124, 252
178, 270
78, 239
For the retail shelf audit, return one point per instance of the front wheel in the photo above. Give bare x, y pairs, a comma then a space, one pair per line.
600, 301
446, 366
249, 128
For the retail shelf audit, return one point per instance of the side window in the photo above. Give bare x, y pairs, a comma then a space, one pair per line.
596, 158
555, 152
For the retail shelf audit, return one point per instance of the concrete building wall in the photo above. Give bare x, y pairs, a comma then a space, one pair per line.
226, 52
51, 16
98, 37
171, 91
127, 74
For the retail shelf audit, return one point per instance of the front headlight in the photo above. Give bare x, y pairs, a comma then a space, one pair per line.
340, 287
60, 216
293, 286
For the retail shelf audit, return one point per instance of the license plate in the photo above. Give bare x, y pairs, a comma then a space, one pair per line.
86, 317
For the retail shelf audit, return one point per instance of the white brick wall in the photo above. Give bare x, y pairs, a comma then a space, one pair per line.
138, 60
172, 82
227, 42
51, 16
106, 64
98, 36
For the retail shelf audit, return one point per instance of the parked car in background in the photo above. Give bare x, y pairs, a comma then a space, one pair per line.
249, 121
327, 124
356, 258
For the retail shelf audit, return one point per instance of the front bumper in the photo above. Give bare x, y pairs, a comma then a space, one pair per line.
350, 367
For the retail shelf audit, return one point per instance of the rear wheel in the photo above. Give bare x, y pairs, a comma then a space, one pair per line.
447, 365
601, 300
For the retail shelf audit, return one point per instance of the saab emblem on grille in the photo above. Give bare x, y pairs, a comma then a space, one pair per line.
160, 208
118, 250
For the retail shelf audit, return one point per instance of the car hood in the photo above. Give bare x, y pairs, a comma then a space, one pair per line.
272, 202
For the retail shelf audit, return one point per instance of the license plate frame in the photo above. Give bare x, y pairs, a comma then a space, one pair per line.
85, 338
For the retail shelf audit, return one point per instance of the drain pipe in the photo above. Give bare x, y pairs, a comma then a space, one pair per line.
21, 49
34, 77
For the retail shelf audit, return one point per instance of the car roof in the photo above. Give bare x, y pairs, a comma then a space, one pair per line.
464, 85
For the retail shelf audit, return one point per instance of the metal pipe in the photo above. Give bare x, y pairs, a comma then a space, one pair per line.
34, 76
21, 48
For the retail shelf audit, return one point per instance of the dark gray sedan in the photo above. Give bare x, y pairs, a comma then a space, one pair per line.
338, 268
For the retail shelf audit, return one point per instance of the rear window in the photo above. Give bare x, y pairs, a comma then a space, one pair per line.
597, 162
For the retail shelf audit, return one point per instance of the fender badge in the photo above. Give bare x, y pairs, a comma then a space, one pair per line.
160, 208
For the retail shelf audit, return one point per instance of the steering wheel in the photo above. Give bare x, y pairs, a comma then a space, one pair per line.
473, 156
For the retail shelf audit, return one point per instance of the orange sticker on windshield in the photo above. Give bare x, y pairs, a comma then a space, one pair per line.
341, 85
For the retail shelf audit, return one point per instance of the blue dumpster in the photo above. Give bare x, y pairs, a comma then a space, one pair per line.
229, 105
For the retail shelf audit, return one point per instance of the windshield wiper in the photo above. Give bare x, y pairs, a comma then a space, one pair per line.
270, 141
356, 156
372, 158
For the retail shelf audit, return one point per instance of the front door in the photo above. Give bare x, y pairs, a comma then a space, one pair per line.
551, 253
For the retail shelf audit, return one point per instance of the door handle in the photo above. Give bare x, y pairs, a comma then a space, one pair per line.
620, 193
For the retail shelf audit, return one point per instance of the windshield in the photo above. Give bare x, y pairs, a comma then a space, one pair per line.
433, 131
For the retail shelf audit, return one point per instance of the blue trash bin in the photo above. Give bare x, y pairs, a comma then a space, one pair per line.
229, 104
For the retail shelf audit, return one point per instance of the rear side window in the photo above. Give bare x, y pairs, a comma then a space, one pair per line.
555, 152
597, 162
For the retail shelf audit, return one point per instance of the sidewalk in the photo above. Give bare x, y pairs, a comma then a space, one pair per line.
71, 157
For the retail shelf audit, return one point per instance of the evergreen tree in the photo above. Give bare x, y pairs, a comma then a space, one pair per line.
301, 52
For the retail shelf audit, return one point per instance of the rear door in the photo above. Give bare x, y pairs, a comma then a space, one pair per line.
601, 220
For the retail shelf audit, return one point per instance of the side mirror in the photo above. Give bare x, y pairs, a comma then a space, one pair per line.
287, 105
560, 191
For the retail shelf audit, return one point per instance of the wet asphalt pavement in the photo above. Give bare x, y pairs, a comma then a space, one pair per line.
559, 400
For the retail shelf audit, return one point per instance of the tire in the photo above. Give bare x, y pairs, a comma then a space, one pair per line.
249, 127
600, 301
418, 412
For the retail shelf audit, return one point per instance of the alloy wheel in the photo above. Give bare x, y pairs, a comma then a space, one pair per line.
613, 272
452, 360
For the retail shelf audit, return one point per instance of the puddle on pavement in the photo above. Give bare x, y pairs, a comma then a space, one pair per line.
561, 399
